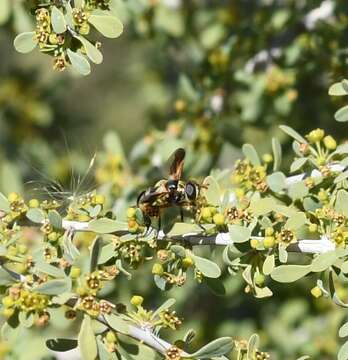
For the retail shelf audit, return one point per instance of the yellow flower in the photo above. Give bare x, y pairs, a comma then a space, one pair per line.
315, 135
330, 142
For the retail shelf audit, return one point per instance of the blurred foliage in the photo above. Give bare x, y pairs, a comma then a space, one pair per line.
203, 75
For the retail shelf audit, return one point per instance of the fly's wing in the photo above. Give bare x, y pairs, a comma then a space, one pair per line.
177, 164
151, 195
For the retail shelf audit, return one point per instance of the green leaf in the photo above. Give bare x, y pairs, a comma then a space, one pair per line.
36, 215
106, 253
54, 287
207, 267
341, 115
25, 42
117, 323
294, 134
297, 164
87, 341
212, 193
55, 219
343, 331
298, 190
79, 63
323, 261
276, 181
109, 26
60, 344
183, 228
251, 154
178, 250
253, 344
277, 154
341, 204
95, 251
296, 221
166, 305
338, 89
343, 352
58, 20
341, 177
290, 273
215, 348
239, 233
262, 206
268, 265
5, 11
4, 203
106, 226
92, 52
49, 269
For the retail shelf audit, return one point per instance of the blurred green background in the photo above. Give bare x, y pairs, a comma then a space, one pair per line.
206, 75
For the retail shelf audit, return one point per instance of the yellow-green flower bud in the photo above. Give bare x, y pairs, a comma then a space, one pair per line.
254, 243
53, 236
131, 212
267, 158
13, 196
206, 213
315, 135
312, 227
316, 292
259, 280
7, 301
269, 231
99, 199
187, 262
268, 242
330, 142
75, 272
7, 312
34, 203
136, 300
110, 337
219, 219
157, 269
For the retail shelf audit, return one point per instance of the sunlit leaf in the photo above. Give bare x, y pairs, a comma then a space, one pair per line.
216, 348
79, 63
87, 341
25, 42
251, 154
106, 226
54, 287
290, 273
109, 26
239, 233
341, 115
207, 267
58, 20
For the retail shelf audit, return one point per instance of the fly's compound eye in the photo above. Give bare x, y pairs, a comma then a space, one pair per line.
190, 190
172, 185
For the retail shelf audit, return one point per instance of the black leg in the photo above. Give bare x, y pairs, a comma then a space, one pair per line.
182, 214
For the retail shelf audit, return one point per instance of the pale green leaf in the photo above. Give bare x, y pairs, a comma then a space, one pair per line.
4, 203
262, 206
294, 134
25, 42
323, 261
298, 163
337, 89
92, 52
276, 181
117, 323
251, 154
36, 215
183, 228
343, 331
341, 204
109, 26
54, 287
212, 193
298, 190
58, 20
343, 352
290, 273
239, 233
341, 115
216, 348
277, 154
207, 267
87, 341
79, 63
106, 226
296, 221
268, 265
